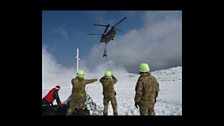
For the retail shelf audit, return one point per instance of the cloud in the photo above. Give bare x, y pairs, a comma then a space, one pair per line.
54, 73
158, 42
61, 30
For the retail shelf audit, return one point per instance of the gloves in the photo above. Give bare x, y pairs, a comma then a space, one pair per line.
136, 104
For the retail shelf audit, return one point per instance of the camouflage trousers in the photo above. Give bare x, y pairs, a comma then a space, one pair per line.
106, 101
74, 106
146, 108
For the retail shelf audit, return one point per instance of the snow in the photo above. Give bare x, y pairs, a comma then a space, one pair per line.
169, 101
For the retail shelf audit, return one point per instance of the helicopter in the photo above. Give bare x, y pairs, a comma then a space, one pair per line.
106, 37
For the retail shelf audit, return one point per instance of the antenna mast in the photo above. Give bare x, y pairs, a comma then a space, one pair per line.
77, 59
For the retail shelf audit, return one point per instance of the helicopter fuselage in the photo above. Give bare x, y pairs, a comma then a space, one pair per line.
105, 38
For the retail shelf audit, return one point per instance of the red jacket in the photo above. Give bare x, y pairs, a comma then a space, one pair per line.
52, 95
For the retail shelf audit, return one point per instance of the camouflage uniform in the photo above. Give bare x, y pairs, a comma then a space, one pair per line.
147, 89
78, 96
109, 93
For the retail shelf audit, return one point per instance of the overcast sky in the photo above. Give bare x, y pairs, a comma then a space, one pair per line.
153, 37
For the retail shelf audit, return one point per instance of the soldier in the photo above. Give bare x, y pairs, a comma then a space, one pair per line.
147, 89
78, 96
109, 94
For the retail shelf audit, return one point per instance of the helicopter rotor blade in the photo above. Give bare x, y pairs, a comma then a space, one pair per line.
95, 34
100, 25
118, 29
106, 28
120, 21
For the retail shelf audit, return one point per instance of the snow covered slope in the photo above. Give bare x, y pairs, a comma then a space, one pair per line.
169, 101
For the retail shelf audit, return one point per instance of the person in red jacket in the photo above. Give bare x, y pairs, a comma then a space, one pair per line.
51, 96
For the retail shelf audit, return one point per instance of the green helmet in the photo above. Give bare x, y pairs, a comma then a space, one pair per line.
144, 67
80, 73
108, 74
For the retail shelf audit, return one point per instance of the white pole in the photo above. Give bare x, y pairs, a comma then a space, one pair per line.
77, 59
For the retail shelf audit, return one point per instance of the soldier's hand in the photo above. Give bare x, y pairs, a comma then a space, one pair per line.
136, 104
